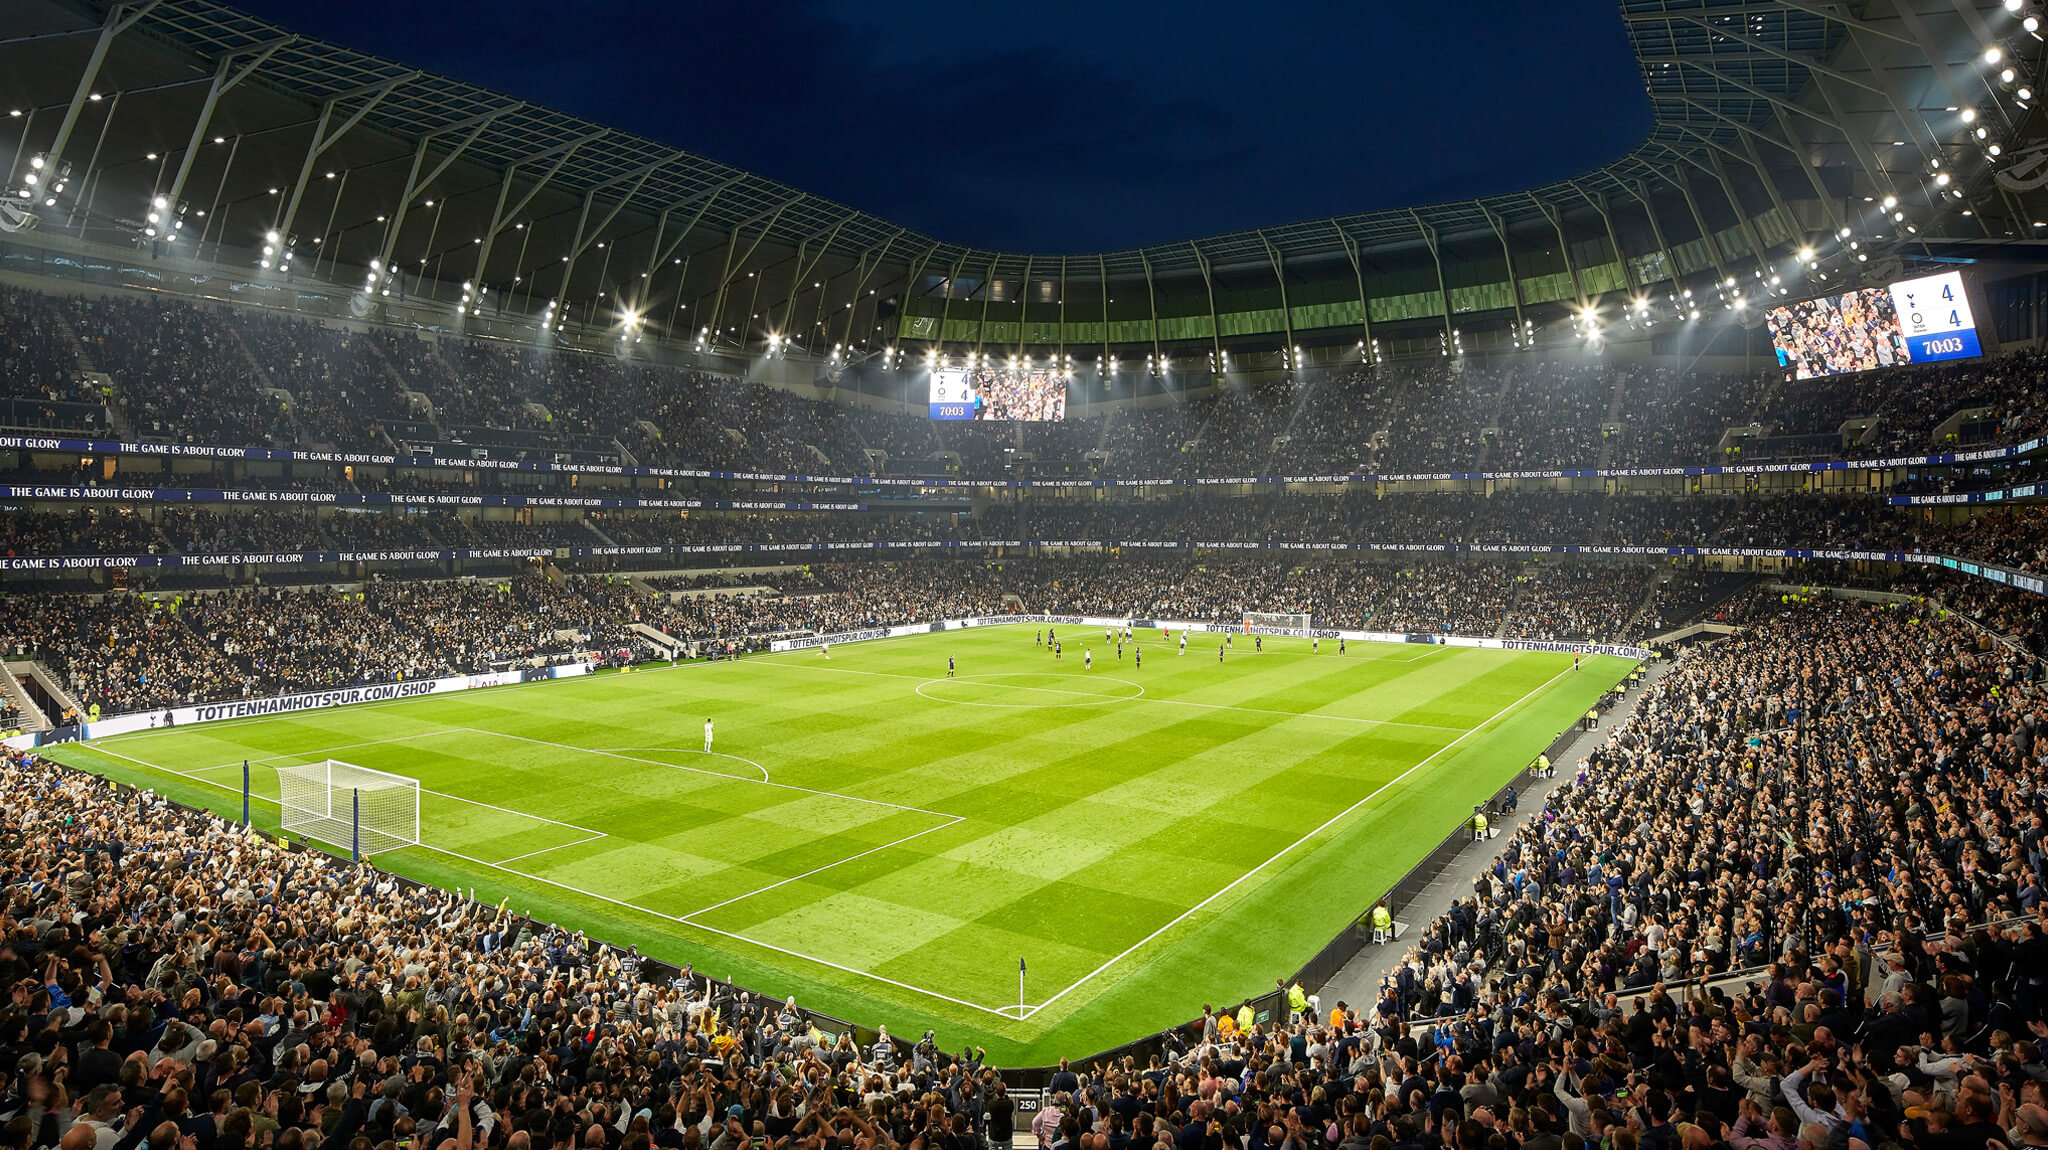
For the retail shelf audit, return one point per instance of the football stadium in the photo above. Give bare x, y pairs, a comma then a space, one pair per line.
515, 632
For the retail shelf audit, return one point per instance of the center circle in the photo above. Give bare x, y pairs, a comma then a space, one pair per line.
1023, 690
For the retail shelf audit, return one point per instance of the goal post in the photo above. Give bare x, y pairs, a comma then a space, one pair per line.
341, 804
1273, 619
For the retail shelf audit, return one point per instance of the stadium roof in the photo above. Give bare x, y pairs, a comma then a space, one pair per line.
1775, 120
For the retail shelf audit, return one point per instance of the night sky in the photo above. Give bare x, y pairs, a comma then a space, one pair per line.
1057, 125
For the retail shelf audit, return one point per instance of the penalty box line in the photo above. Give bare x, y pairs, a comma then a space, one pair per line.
1289, 848
683, 920
689, 919
948, 820
195, 775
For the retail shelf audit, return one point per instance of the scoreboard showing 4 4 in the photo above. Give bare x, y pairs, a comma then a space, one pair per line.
1934, 316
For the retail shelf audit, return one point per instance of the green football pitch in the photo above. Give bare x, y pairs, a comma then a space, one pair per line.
886, 842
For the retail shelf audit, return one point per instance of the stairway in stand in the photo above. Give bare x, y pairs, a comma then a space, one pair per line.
117, 417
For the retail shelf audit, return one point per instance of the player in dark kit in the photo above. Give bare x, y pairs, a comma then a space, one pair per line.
949, 666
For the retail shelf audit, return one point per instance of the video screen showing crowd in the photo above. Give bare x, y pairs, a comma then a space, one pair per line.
1854, 331
996, 395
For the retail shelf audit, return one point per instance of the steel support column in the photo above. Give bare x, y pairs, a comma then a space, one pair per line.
414, 184
1024, 311
988, 284
585, 235
1700, 221
732, 249
867, 269
225, 76
1757, 249
1152, 301
1357, 256
1564, 248
1279, 263
1599, 202
120, 18
501, 215
1443, 292
323, 139
79, 202
1215, 322
1500, 229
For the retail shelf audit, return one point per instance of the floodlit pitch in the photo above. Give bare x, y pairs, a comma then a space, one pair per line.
885, 842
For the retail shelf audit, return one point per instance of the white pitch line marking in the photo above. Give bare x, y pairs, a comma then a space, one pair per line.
701, 771
924, 680
595, 835
985, 680
1327, 823
689, 751
649, 911
955, 819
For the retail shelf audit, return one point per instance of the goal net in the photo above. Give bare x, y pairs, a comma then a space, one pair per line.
1266, 619
350, 806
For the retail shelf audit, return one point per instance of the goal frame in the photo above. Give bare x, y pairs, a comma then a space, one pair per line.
1279, 620
330, 810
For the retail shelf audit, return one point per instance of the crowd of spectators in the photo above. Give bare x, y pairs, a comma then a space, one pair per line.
41, 385
338, 383
1932, 723
1552, 415
2011, 535
129, 653
1578, 602
180, 371
189, 372
86, 531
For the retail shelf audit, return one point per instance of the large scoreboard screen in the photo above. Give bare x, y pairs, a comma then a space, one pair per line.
990, 393
1934, 315
1912, 321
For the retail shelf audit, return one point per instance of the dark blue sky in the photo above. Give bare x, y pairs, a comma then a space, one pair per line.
1062, 125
